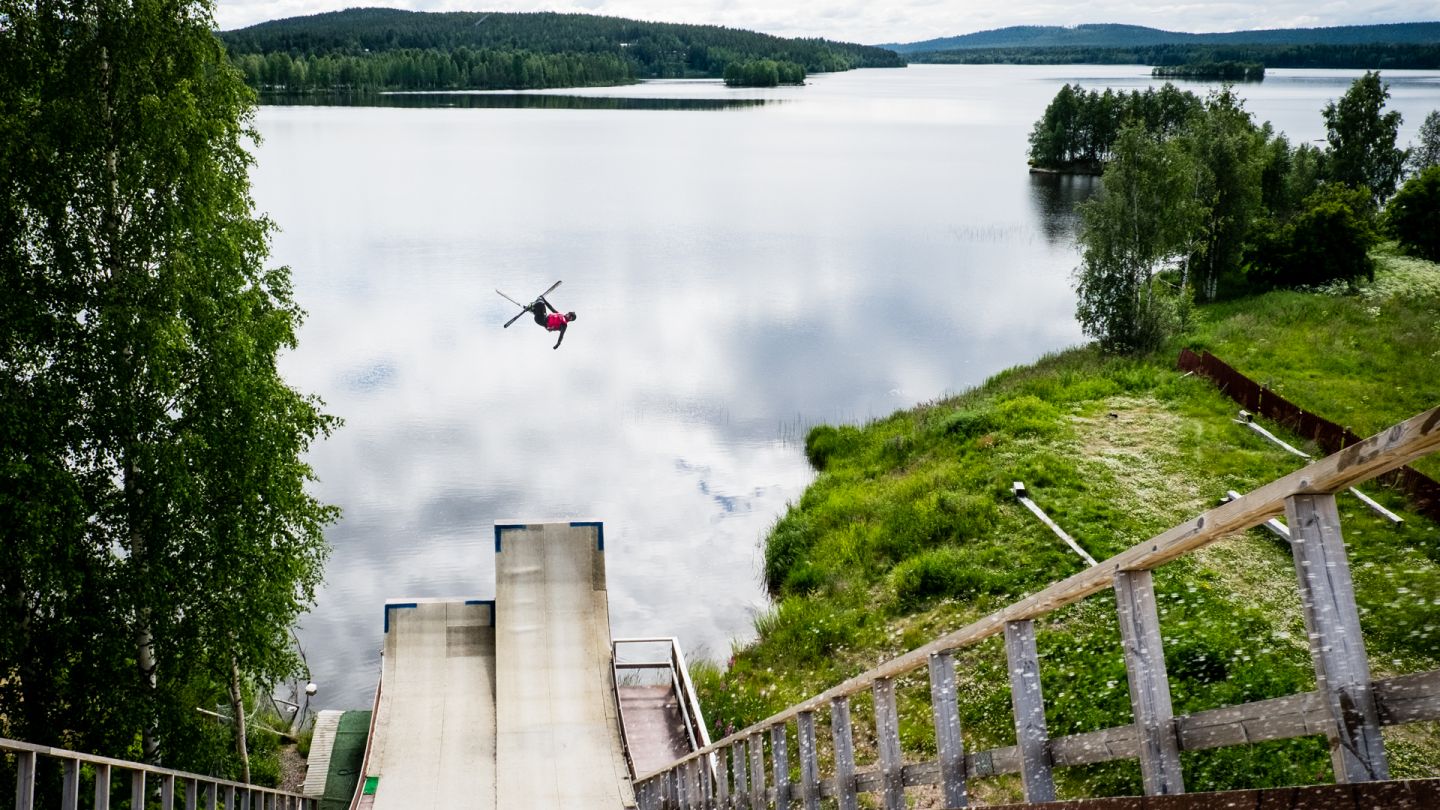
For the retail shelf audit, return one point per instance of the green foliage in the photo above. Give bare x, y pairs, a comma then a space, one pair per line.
1362, 138
1212, 71
1386, 56
1078, 129
390, 49
1229, 153
1426, 151
1413, 215
948, 572
824, 441
1328, 241
1142, 219
763, 73
153, 497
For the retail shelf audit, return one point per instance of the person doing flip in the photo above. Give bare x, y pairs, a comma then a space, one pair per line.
549, 317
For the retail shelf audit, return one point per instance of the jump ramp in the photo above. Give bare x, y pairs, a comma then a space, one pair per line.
509, 703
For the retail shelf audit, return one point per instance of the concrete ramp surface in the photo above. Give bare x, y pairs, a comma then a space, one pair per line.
507, 703
557, 726
433, 740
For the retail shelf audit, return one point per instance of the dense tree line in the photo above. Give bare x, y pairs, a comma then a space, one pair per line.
1360, 56
1079, 127
763, 73
1221, 206
1213, 71
1112, 35
460, 69
158, 538
394, 49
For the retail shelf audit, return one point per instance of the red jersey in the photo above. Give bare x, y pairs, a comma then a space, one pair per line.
554, 322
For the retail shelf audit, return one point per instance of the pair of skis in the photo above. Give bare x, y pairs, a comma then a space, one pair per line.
524, 308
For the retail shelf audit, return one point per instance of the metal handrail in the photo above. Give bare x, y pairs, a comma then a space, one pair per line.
680, 681
27, 755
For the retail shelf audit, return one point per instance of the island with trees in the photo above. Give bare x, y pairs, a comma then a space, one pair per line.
372, 50
1212, 71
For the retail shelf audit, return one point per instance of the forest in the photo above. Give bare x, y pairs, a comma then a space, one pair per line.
1358, 56
1210, 71
390, 49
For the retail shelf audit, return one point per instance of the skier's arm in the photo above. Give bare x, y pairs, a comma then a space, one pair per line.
561, 338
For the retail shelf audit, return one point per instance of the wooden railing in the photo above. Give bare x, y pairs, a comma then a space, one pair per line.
1347, 706
198, 791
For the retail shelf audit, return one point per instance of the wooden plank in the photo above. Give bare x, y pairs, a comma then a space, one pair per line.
25, 762
1390, 449
1029, 706
70, 785
738, 764
1342, 670
809, 763
1275, 719
949, 745
993, 761
137, 788
167, 792
1019, 489
192, 794
1149, 686
1106, 745
887, 739
757, 771
924, 773
780, 760
841, 735
1409, 698
102, 787
722, 778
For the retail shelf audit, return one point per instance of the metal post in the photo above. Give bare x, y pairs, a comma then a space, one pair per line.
780, 761
1029, 706
809, 762
757, 771
1149, 684
887, 739
841, 735
950, 747
25, 780
1342, 670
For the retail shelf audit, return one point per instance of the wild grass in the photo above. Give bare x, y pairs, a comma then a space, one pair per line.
910, 531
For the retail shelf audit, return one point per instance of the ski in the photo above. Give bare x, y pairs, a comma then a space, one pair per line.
525, 307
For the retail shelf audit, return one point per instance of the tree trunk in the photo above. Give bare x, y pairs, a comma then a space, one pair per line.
237, 709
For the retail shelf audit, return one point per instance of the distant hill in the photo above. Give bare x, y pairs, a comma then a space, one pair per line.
1132, 36
387, 49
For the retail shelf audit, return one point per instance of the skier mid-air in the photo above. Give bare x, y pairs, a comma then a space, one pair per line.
545, 314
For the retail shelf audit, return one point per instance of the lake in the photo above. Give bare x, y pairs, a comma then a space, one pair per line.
741, 271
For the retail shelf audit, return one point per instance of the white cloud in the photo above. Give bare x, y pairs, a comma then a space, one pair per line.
900, 21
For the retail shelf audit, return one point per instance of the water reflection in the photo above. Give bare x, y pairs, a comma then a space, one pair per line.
506, 101
1054, 198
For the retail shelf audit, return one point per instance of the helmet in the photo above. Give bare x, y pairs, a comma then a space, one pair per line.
569, 316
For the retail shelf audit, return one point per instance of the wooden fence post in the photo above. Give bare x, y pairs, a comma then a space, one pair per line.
102, 787
1149, 685
757, 770
780, 761
722, 779
1029, 706
887, 739
70, 785
1342, 670
25, 763
809, 760
945, 706
740, 764
192, 794
137, 788
841, 735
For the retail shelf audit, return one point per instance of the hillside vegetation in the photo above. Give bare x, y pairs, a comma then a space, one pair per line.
391, 49
1130, 36
910, 530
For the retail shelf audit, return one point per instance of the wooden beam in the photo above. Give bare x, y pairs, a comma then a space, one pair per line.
780, 760
1342, 670
757, 771
809, 763
739, 764
1149, 685
722, 778
887, 739
1029, 705
950, 747
841, 736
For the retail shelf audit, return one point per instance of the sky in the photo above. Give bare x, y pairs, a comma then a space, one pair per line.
901, 21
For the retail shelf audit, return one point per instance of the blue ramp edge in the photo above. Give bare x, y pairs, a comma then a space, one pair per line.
500, 527
599, 531
391, 606
490, 602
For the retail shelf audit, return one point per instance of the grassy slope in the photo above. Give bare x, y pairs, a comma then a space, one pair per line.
910, 531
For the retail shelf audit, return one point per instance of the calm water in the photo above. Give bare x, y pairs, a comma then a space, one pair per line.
867, 242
